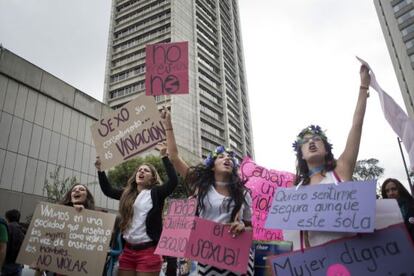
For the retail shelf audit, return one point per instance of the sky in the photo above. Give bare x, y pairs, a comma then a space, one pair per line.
300, 66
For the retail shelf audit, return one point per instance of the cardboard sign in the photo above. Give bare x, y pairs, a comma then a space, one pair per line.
128, 131
166, 69
347, 207
263, 183
385, 252
62, 240
202, 240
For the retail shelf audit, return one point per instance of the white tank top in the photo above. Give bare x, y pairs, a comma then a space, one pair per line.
215, 207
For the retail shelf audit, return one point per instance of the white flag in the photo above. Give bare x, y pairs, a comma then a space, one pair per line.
396, 116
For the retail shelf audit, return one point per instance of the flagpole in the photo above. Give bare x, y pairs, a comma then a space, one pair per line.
405, 166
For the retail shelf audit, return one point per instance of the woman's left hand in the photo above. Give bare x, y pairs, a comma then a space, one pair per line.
236, 228
78, 207
162, 147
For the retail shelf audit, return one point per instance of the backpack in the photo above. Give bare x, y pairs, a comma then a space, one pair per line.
16, 237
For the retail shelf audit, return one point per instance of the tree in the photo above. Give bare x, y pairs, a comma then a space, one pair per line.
368, 169
59, 186
120, 174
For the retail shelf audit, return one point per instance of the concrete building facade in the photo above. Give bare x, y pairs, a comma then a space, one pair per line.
216, 112
45, 123
397, 22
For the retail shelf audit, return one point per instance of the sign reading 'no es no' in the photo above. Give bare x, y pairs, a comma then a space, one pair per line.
166, 69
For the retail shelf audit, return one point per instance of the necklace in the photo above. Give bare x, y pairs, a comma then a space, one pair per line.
316, 170
219, 183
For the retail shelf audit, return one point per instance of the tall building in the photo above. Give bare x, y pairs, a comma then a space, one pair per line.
397, 23
216, 112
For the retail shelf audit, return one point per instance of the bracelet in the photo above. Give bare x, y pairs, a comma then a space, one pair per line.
364, 87
168, 129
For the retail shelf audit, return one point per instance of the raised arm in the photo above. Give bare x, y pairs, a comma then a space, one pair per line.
169, 186
347, 160
179, 164
106, 187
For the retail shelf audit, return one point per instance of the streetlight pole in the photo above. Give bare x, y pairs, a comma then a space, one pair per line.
405, 166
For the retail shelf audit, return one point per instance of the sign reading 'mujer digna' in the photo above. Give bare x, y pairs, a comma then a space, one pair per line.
128, 131
63, 240
388, 251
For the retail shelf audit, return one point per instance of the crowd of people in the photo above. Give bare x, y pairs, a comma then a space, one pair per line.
220, 192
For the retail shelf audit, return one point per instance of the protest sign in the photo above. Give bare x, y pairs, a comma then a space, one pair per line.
385, 252
128, 131
62, 240
166, 69
185, 235
177, 227
347, 207
211, 243
263, 183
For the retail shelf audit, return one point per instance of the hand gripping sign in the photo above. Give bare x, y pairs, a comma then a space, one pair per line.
185, 235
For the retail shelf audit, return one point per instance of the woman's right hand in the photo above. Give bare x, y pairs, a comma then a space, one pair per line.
166, 118
365, 77
98, 164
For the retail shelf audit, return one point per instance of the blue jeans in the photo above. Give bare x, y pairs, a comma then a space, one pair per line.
12, 270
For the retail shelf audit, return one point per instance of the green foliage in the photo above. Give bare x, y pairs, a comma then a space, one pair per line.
58, 187
368, 169
120, 174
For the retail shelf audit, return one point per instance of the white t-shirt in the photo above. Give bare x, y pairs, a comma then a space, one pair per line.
215, 207
137, 232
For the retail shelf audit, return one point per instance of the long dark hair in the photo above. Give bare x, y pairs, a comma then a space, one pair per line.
126, 204
302, 169
201, 177
402, 191
89, 202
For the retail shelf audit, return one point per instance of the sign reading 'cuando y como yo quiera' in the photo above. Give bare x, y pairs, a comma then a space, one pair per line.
128, 131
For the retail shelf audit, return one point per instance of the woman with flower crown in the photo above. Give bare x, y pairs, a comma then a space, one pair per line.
315, 163
221, 194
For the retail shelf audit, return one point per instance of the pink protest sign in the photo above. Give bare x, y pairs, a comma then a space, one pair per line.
177, 227
208, 242
166, 69
263, 183
212, 244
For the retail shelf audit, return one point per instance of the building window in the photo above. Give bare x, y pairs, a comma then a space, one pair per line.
401, 5
410, 43
408, 30
405, 16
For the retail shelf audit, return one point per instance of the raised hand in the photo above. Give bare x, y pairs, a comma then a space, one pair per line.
98, 164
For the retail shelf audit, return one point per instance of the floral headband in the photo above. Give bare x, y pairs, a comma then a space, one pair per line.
219, 150
313, 130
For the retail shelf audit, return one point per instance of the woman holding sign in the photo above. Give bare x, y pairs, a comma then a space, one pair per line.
78, 197
140, 207
315, 163
220, 191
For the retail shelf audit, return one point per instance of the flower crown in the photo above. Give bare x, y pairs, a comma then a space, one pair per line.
219, 150
313, 130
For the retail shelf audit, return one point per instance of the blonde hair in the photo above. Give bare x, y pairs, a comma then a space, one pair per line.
126, 204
